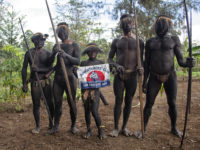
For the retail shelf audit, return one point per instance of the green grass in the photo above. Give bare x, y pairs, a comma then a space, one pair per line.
185, 74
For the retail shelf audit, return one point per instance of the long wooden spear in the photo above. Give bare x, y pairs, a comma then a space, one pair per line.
140, 76
36, 74
191, 43
189, 75
62, 61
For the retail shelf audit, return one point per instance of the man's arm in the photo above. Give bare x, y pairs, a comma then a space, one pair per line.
75, 58
112, 52
53, 54
141, 51
189, 62
146, 65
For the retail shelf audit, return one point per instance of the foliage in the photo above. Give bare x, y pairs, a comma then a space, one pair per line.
83, 28
185, 74
28, 35
147, 11
11, 63
9, 27
48, 45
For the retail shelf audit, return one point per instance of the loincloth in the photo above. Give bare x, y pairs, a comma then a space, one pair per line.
127, 74
161, 78
88, 94
43, 83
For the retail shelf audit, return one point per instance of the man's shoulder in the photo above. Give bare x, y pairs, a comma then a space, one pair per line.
152, 39
116, 40
30, 50
74, 43
175, 38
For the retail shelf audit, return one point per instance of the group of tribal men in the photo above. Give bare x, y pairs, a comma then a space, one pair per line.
158, 68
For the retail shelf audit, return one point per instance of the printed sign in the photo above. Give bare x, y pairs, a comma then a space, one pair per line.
96, 76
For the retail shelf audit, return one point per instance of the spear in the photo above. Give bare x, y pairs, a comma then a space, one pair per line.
36, 74
140, 76
189, 75
62, 61
191, 40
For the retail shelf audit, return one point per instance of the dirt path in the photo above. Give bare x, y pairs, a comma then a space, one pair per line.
15, 128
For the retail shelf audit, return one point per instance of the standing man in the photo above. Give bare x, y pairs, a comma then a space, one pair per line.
42, 64
125, 49
159, 69
71, 55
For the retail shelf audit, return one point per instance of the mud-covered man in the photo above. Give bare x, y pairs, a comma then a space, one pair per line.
125, 50
70, 52
42, 64
91, 96
159, 69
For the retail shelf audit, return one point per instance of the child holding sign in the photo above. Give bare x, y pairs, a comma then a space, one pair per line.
94, 78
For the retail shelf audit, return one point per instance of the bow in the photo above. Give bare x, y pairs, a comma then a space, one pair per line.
189, 74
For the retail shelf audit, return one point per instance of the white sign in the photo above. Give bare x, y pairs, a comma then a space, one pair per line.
96, 76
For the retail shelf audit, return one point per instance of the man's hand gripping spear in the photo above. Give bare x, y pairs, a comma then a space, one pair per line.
61, 60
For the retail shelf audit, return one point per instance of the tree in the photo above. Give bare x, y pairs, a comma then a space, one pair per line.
28, 34
80, 18
148, 10
48, 45
9, 27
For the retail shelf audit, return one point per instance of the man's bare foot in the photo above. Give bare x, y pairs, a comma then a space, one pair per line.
52, 130
36, 130
177, 133
114, 133
126, 132
50, 126
102, 136
74, 130
87, 134
138, 134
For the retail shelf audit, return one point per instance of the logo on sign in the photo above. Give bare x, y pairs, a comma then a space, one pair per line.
95, 76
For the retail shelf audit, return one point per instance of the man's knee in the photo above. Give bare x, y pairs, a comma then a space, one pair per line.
172, 103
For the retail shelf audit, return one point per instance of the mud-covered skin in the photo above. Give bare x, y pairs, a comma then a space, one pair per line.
42, 63
125, 50
91, 103
71, 56
159, 62
70, 52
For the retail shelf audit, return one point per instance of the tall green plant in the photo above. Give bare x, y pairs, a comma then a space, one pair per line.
9, 28
10, 74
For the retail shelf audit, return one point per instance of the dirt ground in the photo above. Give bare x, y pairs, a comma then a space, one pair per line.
15, 128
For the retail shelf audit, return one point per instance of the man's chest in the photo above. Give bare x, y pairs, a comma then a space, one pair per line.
126, 44
162, 45
40, 57
68, 48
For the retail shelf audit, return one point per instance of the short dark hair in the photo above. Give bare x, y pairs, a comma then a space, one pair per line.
124, 19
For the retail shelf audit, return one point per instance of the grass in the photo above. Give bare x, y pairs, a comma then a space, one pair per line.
185, 74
